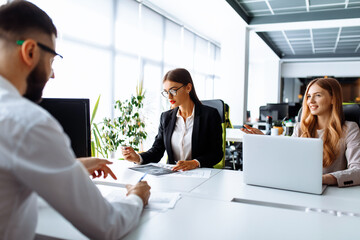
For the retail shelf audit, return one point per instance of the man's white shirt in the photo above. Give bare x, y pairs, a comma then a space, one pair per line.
36, 158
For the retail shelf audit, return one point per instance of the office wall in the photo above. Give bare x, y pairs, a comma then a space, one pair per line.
321, 68
264, 81
231, 87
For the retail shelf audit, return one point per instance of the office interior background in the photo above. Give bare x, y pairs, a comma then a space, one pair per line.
109, 45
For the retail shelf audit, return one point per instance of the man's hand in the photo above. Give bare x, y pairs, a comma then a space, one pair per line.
183, 165
142, 189
97, 167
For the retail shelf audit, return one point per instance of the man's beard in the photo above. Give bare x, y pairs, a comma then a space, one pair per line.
35, 83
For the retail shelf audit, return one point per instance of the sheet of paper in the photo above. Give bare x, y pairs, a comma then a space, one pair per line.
159, 201
153, 169
162, 201
196, 173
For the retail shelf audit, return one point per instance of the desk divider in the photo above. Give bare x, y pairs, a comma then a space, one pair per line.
296, 208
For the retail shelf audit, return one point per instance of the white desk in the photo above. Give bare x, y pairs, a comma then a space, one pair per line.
165, 183
229, 184
196, 218
234, 135
205, 212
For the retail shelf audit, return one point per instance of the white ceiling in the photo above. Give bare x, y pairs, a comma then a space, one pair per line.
305, 28
204, 16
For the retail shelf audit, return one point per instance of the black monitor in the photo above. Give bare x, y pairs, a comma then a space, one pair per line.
282, 110
74, 116
278, 111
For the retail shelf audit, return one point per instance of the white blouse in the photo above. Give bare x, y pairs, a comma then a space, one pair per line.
181, 137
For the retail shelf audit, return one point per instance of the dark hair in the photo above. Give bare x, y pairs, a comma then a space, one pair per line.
19, 17
181, 75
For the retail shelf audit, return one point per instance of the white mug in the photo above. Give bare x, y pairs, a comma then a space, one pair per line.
274, 132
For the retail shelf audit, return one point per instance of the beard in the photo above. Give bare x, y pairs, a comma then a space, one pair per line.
36, 82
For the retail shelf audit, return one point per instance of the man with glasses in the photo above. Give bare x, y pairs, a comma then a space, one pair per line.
35, 154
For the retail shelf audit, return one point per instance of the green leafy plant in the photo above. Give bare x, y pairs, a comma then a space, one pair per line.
126, 128
96, 140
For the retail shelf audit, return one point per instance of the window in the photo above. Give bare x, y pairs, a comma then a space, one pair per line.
172, 44
151, 34
109, 45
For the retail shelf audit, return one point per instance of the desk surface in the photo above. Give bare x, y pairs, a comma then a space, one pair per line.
205, 211
229, 184
165, 183
234, 135
198, 218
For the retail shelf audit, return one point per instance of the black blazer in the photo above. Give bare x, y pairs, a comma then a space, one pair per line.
206, 139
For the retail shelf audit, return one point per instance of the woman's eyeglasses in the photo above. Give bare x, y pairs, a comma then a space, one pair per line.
172, 91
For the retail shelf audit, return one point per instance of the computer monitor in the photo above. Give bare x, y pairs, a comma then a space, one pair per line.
279, 111
266, 111
282, 110
74, 116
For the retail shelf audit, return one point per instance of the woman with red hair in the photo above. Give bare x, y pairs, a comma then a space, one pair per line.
322, 117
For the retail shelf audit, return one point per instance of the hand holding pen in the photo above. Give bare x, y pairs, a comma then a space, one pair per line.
142, 177
141, 189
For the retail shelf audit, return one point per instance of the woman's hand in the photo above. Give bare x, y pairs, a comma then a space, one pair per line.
130, 155
184, 165
251, 130
329, 179
97, 167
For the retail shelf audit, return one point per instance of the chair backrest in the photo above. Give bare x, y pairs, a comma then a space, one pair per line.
219, 105
351, 113
227, 117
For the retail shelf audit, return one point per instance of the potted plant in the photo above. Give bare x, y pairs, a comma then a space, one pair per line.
126, 128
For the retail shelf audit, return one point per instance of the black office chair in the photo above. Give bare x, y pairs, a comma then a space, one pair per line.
233, 150
220, 106
351, 113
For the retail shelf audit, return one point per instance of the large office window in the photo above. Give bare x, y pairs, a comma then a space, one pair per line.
111, 45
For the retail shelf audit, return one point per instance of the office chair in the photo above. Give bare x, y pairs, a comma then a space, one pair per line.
351, 113
233, 150
220, 106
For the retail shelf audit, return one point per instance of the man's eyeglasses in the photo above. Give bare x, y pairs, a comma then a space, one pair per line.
172, 91
42, 46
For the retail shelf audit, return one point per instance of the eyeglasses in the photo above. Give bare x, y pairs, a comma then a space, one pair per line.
42, 46
172, 91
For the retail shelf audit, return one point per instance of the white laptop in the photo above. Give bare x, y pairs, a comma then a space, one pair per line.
289, 163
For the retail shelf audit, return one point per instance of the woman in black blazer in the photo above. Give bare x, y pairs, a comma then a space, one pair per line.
190, 132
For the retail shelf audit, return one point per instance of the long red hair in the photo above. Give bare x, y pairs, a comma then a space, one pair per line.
334, 129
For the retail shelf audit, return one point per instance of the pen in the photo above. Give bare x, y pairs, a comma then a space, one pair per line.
142, 177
